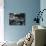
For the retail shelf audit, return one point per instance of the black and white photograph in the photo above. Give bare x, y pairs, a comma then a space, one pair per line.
17, 19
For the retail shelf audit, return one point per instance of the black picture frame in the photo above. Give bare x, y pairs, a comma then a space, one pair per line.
17, 19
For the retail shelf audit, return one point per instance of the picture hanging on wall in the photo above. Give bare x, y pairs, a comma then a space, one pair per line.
17, 19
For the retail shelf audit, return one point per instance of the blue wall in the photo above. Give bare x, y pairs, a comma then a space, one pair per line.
14, 33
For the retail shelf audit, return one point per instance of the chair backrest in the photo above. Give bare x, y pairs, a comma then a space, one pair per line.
39, 33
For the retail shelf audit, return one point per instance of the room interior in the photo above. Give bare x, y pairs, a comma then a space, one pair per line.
23, 31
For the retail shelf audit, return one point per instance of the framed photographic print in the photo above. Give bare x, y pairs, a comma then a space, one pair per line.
17, 19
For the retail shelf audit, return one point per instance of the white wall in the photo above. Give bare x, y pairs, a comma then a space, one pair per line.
43, 6
1, 21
